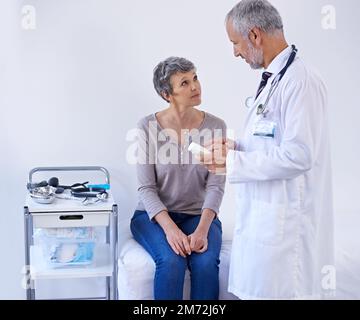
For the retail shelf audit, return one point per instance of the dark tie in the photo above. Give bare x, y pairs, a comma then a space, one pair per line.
264, 80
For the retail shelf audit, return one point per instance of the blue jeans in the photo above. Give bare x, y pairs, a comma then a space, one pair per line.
170, 267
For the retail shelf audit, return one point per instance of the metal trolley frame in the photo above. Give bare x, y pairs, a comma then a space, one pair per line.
49, 215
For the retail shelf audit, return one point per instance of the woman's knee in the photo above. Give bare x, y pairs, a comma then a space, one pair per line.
171, 261
204, 262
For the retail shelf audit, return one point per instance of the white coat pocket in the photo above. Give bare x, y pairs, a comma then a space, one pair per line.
266, 222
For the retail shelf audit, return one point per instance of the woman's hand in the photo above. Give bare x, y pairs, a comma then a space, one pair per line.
177, 240
198, 241
199, 238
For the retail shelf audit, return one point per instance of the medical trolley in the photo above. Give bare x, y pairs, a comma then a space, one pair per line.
71, 214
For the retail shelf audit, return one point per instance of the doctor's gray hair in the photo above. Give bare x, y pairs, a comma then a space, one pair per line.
248, 14
165, 69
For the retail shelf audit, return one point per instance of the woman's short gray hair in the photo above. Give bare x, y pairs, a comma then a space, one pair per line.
165, 69
248, 14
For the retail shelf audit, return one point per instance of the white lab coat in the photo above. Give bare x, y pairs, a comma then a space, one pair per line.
283, 238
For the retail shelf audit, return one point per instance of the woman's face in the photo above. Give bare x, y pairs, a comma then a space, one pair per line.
186, 89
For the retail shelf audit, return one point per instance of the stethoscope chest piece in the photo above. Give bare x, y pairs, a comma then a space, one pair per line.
260, 109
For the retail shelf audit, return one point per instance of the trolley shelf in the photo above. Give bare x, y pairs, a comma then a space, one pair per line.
101, 266
61, 205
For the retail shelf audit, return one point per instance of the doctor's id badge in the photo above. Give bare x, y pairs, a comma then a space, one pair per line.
264, 128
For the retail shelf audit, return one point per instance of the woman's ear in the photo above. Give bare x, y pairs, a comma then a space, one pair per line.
166, 96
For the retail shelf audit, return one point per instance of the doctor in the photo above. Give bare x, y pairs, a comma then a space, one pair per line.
283, 238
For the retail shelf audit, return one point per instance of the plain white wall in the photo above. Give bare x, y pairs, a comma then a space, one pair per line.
72, 88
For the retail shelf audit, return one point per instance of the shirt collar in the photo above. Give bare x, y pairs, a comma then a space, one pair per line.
279, 61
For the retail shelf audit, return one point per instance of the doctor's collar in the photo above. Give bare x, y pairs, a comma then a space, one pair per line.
278, 63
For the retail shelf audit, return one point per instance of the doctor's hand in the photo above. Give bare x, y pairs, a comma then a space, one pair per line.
216, 161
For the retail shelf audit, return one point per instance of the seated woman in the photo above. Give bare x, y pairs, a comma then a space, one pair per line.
176, 220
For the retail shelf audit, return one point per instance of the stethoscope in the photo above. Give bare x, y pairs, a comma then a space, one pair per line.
262, 108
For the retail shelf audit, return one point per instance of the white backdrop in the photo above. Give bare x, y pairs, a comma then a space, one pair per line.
73, 84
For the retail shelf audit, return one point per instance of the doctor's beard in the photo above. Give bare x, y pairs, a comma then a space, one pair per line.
256, 57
